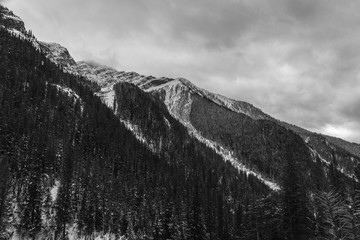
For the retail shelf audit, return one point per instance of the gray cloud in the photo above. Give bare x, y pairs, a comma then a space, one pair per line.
296, 59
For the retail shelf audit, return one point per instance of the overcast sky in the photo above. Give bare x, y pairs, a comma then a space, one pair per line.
297, 60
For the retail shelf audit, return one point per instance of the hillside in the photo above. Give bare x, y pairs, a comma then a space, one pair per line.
69, 167
89, 152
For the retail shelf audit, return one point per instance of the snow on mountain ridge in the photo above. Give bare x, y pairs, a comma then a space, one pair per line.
176, 95
15, 25
106, 77
12, 17
58, 53
10, 20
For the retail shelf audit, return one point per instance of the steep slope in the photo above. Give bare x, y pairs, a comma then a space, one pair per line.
178, 94
70, 169
58, 53
14, 25
10, 20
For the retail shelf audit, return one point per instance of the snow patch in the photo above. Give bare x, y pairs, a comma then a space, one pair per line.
178, 101
314, 154
54, 191
139, 136
71, 94
67, 91
168, 84
73, 234
107, 96
177, 98
229, 156
167, 123
12, 17
21, 35
57, 54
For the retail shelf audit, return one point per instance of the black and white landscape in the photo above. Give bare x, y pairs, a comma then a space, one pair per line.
89, 151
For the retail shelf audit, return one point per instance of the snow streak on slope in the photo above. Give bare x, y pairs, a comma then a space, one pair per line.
177, 98
24, 37
12, 17
107, 95
69, 92
14, 25
139, 135
229, 156
315, 154
10, 20
106, 77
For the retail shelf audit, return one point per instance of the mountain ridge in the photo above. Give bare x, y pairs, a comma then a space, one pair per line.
177, 94
171, 89
104, 153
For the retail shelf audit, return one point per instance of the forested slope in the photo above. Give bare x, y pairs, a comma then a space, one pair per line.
68, 166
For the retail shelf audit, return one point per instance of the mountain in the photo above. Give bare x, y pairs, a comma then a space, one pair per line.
180, 95
89, 152
70, 169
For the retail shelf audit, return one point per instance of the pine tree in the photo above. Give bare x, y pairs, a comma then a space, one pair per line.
335, 213
295, 206
196, 223
4, 188
63, 205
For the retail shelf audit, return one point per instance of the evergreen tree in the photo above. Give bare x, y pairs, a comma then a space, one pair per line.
196, 223
4, 188
336, 215
295, 202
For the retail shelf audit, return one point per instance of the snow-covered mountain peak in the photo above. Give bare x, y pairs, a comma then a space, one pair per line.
59, 54
16, 26
93, 64
10, 20
168, 88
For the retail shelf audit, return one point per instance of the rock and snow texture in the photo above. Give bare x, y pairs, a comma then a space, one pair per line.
107, 95
177, 96
107, 77
176, 93
16, 26
69, 92
139, 135
10, 20
57, 53
227, 155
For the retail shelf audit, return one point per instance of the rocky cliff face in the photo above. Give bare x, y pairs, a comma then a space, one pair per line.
10, 20
16, 26
58, 54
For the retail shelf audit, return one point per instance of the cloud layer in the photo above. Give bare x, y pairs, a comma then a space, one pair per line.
298, 60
